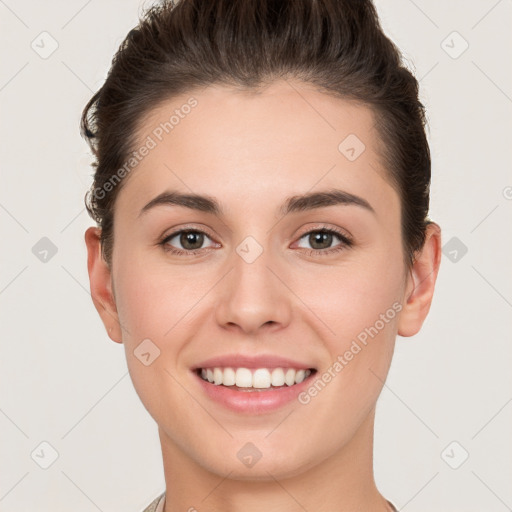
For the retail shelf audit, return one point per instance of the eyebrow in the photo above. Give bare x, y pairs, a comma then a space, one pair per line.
297, 203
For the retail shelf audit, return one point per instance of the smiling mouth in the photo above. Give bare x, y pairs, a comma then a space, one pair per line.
259, 379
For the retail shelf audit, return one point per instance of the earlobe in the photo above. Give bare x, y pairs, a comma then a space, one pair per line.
420, 284
100, 281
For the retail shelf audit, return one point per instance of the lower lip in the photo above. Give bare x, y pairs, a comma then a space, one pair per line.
253, 402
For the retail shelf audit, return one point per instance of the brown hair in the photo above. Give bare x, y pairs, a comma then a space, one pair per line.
337, 46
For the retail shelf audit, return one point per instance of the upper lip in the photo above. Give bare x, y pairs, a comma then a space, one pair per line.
246, 361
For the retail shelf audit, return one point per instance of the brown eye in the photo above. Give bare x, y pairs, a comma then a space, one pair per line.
191, 240
320, 240
186, 242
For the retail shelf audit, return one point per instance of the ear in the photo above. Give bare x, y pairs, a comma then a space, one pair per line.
100, 280
420, 283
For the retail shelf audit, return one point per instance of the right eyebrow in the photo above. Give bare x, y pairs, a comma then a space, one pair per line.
193, 201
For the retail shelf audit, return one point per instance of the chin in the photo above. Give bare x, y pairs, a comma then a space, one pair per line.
248, 464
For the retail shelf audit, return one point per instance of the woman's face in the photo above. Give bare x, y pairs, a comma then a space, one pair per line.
265, 283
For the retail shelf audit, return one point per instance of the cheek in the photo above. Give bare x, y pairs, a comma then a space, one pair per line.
140, 305
360, 305
353, 298
151, 298
150, 302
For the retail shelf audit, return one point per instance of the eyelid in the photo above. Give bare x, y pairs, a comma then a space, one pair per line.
186, 227
343, 233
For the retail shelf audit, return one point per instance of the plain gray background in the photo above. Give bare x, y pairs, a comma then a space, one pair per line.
65, 384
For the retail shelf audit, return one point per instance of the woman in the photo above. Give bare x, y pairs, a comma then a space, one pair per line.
261, 194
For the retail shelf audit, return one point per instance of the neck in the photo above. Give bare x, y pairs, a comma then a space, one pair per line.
340, 482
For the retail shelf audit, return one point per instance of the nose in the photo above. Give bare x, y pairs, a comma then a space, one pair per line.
253, 295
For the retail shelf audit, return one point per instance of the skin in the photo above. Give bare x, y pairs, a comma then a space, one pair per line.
252, 151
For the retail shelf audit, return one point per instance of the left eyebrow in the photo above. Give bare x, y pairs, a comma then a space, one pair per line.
322, 199
297, 203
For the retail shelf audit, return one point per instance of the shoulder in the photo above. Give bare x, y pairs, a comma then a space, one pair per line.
157, 505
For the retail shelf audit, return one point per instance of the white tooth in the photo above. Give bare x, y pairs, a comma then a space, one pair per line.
261, 378
229, 377
300, 376
289, 377
243, 378
277, 377
217, 376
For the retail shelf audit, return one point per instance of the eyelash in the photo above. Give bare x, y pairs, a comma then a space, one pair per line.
346, 242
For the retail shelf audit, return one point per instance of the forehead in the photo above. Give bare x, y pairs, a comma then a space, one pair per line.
286, 137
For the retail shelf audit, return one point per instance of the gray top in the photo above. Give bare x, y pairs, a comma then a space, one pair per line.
157, 505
